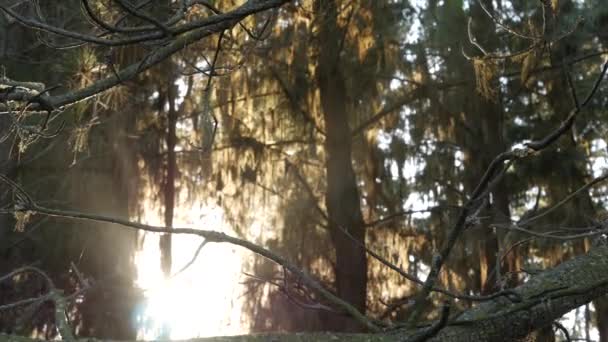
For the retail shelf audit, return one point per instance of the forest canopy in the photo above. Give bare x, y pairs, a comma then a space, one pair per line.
388, 170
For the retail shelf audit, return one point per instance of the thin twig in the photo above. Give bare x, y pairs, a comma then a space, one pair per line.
566, 199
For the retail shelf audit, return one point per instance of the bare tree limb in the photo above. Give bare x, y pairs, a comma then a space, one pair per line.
493, 169
187, 35
210, 236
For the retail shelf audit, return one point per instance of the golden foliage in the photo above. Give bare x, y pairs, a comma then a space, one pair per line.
87, 68
529, 60
79, 139
21, 219
555, 6
485, 72
527, 65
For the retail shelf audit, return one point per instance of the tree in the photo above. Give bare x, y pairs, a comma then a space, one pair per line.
504, 314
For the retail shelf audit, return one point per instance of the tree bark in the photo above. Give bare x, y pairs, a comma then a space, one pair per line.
601, 317
342, 196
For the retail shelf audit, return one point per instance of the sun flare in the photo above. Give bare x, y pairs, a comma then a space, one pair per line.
202, 300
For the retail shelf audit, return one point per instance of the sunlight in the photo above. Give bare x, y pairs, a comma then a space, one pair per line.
575, 322
204, 299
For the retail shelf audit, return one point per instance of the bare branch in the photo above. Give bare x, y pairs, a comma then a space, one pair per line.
210, 236
187, 35
563, 201
54, 294
495, 168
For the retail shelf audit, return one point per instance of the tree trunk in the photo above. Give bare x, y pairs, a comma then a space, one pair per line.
601, 317
342, 197
486, 116
169, 186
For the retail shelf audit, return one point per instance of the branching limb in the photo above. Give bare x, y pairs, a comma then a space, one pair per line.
188, 34
435, 327
496, 167
55, 295
145, 17
210, 236
512, 296
565, 200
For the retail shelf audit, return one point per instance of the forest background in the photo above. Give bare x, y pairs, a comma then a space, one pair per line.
388, 148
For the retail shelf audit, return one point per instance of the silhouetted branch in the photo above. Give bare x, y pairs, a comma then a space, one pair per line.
183, 35
563, 201
54, 295
496, 167
210, 236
